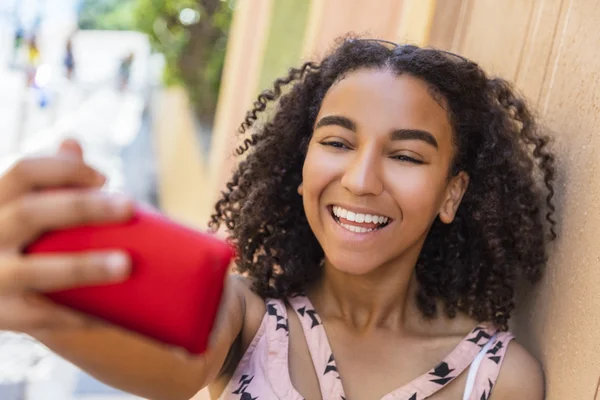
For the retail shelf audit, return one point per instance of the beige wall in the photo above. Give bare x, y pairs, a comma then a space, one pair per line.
549, 48
181, 167
330, 19
395, 20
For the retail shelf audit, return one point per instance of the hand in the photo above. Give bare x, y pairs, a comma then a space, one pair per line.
28, 209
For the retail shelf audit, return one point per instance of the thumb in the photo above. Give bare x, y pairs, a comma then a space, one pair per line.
71, 148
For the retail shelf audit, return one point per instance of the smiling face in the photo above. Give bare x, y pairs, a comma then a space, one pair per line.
376, 171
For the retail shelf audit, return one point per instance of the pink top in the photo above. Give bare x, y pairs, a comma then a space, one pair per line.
263, 371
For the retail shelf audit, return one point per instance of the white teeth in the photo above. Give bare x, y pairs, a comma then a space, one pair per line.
355, 229
358, 217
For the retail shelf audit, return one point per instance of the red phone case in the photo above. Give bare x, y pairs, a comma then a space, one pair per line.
176, 282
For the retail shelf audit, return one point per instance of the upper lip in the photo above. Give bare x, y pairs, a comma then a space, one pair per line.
361, 210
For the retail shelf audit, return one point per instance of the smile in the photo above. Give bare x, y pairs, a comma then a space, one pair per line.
358, 222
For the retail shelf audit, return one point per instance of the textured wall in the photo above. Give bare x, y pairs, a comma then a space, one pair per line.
180, 163
330, 19
549, 48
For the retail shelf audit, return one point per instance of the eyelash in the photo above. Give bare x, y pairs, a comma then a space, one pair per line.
340, 145
337, 145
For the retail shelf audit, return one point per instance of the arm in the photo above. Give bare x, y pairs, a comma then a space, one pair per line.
142, 367
521, 376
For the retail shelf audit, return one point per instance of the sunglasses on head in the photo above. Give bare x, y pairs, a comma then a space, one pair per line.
393, 45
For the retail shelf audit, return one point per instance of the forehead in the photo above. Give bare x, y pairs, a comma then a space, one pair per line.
383, 100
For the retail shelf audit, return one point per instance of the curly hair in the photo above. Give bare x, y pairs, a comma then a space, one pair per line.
472, 265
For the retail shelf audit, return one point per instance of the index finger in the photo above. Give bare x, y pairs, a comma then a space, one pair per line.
25, 218
61, 271
47, 172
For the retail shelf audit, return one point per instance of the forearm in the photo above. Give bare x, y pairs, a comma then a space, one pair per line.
129, 362
146, 368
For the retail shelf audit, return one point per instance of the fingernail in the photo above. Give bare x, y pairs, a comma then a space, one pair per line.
120, 203
68, 154
117, 265
99, 178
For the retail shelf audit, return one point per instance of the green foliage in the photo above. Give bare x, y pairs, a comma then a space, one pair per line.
159, 20
107, 14
194, 54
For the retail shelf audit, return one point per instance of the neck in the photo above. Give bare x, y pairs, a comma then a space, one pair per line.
384, 297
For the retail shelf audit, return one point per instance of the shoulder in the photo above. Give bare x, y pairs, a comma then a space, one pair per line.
521, 376
239, 319
242, 286
253, 306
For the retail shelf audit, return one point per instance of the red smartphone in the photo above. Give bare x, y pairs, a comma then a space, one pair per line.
176, 283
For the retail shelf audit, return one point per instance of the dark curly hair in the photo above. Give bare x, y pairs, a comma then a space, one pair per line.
471, 265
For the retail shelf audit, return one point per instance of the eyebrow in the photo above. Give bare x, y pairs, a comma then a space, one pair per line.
336, 120
415, 134
397, 134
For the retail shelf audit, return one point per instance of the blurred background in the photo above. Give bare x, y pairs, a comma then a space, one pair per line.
155, 91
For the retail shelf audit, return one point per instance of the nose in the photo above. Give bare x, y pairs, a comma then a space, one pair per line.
363, 174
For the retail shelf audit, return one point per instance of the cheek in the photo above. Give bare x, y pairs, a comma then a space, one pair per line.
418, 191
318, 171
312, 183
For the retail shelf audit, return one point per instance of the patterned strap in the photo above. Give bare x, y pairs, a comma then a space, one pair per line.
320, 349
474, 368
449, 369
277, 364
487, 375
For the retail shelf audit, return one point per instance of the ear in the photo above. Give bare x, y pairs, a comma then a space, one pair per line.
300, 189
454, 193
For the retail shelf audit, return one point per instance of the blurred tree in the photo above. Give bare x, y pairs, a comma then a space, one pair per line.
107, 14
192, 35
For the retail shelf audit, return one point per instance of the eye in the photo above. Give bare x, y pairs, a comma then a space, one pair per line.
405, 158
336, 144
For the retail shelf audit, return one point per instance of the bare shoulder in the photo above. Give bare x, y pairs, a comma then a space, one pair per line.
253, 305
243, 287
521, 376
237, 323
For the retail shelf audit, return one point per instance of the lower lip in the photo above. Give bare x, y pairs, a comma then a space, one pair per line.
355, 236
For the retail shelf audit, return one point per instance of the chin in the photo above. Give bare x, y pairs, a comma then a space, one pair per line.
353, 264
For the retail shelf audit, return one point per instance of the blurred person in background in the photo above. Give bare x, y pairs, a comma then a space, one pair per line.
125, 71
33, 59
69, 58
17, 44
